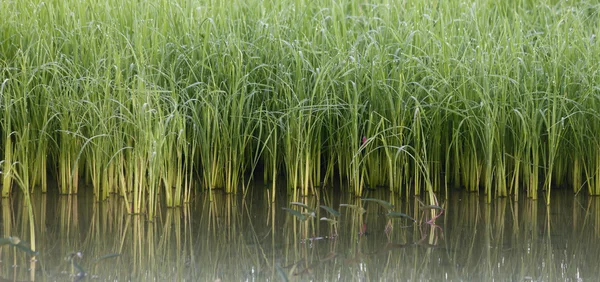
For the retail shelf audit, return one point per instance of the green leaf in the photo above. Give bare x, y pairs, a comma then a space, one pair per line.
26, 249
383, 203
107, 256
399, 215
302, 205
331, 211
329, 257
10, 240
328, 219
360, 209
19, 244
78, 267
296, 213
431, 207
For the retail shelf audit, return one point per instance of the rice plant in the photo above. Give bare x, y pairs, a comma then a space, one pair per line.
145, 98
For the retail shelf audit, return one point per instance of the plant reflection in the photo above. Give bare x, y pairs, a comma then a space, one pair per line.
235, 239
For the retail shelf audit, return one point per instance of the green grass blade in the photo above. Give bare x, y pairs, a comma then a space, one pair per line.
394, 215
383, 203
328, 219
431, 207
296, 213
26, 249
303, 205
331, 211
10, 240
355, 207
78, 267
107, 256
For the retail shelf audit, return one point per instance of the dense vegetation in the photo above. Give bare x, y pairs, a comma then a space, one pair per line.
142, 97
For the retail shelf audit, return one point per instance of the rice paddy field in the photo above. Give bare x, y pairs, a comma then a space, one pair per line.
153, 100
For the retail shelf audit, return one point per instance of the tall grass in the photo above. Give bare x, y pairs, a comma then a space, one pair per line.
140, 98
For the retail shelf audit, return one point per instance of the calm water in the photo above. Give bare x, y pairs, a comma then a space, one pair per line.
233, 239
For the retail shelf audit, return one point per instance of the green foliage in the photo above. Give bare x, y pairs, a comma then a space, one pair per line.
303, 205
431, 207
18, 244
331, 211
387, 205
297, 214
393, 214
136, 99
359, 209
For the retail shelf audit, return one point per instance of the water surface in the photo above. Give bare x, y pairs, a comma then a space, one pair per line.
251, 239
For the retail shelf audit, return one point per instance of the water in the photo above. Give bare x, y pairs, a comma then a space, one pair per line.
232, 239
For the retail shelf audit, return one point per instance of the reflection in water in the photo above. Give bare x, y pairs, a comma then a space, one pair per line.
235, 239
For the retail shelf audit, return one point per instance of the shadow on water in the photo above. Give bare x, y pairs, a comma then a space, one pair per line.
330, 238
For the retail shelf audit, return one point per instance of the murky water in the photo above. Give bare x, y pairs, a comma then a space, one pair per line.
232, 239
